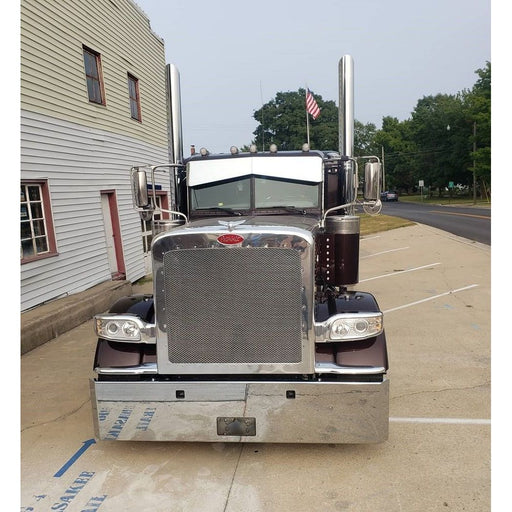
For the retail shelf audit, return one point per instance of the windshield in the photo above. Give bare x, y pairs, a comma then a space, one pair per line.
235, 194
272, 192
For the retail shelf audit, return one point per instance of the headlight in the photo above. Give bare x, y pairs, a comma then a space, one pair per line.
130, 329
350, 327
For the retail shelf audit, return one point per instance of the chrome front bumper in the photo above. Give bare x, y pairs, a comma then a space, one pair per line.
249, 411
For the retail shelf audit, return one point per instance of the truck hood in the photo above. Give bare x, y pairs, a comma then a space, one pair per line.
247, 223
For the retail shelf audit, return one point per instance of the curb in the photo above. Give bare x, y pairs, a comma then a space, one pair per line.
50, 320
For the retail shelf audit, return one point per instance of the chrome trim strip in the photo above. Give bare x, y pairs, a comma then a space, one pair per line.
348, 370
165, 391
151, 369
143, 369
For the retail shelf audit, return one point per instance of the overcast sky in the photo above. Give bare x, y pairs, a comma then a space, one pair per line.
233, 56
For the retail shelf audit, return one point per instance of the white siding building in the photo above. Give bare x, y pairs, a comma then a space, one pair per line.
93, 104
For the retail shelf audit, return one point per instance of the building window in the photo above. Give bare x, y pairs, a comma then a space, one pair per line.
37, 237
95, 89
133, 91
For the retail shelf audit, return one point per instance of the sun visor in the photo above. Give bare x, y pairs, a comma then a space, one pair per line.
301, 168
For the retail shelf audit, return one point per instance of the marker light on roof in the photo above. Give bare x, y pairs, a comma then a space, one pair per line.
273, 148
204, 152
234, 150
253, 148
305, 147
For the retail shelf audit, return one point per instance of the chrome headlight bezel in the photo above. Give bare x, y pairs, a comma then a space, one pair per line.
350, 327
124, 328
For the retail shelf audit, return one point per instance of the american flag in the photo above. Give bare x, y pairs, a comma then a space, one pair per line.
311, 105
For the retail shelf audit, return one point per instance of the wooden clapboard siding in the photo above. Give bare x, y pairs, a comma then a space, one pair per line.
52, 69
82, 148
91, 161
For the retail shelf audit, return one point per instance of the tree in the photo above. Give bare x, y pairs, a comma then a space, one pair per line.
479, 108
364, 139
435, 145
440, 133
444, 130
282, 121
399, 154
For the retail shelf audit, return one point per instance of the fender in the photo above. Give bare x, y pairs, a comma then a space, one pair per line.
372, 351
118, 354
140, 305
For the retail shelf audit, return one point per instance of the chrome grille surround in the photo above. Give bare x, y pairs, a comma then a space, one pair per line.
234, 309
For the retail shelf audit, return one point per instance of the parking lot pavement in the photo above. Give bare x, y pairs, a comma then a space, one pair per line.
435, 291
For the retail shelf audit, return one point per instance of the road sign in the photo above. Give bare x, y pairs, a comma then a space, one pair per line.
422, 183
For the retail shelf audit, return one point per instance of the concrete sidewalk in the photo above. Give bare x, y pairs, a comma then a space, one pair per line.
50, 320
435, 291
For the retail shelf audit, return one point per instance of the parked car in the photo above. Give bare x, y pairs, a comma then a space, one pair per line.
389, 195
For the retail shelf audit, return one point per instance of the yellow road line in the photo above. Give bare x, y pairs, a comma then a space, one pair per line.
462, 214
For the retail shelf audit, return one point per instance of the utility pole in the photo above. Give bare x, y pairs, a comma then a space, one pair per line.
474, 162
383, 170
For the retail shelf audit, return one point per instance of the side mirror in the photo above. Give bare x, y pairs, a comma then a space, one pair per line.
372, 173
140, 188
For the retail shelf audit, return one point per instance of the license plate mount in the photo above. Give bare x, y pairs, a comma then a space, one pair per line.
229, 426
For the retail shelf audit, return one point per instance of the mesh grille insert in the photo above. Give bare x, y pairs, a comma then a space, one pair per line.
236, 305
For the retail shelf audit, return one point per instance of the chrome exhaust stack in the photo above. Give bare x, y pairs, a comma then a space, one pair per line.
175, 131
346, 124
144, 202
174, 127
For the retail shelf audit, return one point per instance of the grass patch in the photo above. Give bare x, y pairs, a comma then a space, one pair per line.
443, 201
375, 223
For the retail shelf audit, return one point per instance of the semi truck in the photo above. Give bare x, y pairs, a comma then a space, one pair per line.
255, 331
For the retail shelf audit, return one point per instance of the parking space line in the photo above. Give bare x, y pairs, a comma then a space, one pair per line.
443, 421
384, 252
431, 298
398, 272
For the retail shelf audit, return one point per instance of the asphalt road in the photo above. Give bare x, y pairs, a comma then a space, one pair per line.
473, 223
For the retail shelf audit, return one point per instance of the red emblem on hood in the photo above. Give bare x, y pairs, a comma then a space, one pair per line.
230, 239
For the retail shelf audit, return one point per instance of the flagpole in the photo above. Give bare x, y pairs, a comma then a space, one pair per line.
307, 115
